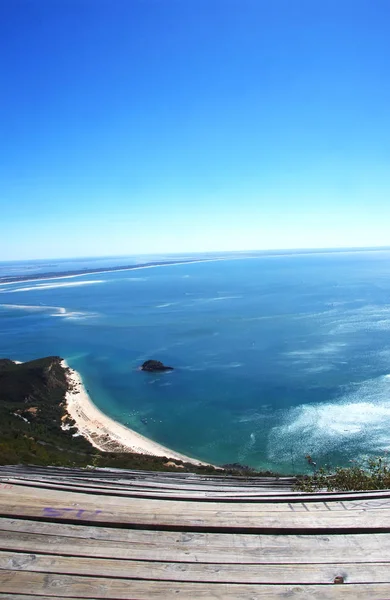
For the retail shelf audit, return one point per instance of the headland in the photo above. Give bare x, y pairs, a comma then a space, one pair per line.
103, 432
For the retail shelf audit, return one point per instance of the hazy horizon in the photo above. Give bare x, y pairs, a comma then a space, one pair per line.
213, 254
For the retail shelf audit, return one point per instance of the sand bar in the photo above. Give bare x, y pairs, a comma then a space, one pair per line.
103, 432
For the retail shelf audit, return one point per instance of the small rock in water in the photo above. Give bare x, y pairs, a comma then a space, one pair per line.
155, 365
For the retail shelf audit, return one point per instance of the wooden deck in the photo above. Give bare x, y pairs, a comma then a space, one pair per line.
136, 535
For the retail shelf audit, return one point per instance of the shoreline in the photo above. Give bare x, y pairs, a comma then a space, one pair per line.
53, 276
106, 434
238, 255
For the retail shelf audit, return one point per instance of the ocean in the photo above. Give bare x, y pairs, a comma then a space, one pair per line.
275, 356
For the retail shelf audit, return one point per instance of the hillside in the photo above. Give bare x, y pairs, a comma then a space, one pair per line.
33, 416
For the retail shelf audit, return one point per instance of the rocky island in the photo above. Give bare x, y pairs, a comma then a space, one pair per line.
154, 366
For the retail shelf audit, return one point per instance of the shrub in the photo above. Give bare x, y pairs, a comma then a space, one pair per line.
371, 474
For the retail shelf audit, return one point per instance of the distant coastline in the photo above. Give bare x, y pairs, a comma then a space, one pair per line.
91, 271
208, 257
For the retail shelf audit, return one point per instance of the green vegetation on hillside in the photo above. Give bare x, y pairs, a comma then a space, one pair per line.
373, 474
32, 410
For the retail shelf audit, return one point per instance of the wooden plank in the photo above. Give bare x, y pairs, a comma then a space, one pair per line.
76, 507
28, 597
198, 547
168, 481
153, 491
189, 486
139, 474
212, 573
163, 485
71, 586
146, 484
161, 518
318, 503
234, 497
159, 477
22, 491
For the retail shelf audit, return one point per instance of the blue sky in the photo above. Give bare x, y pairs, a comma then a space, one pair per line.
135, 126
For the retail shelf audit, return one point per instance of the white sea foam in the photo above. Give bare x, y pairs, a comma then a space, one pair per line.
319, 368
54, 311
317, 359
323, 350
226, 366
360, 419
371, 317
218, 298
247, 447
47, 286
256, 417
30, 307
166, 304
42, 279
75, 315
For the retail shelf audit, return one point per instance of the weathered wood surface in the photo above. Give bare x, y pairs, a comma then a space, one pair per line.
167, 478
75, 506
72, 586
168, 483
209, 495
310, 503
30, 597
125, 473
153, 482
101, 541
324, 573
194, 547
153, 487
155, 491
68, 535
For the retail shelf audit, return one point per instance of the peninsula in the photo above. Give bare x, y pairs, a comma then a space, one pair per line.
8, 279
47, 417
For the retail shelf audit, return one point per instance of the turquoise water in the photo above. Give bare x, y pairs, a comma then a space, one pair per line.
275, 357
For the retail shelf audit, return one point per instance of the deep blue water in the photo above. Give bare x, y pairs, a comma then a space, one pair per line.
275, 357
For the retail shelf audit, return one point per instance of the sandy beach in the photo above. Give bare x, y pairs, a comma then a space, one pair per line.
103, 432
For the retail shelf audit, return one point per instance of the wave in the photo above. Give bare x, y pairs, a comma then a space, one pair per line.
317, 359
372, 317
31, 308
247, 447
358, 423
166, 304
217, 298
53, 311
257, 416
323, 350
48, 286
